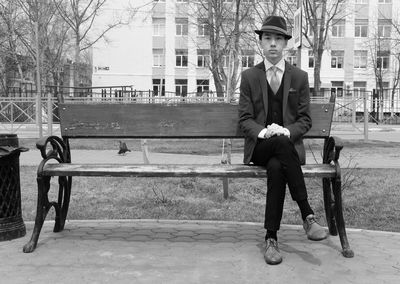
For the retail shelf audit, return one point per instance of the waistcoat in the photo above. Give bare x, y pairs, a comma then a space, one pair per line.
275, 114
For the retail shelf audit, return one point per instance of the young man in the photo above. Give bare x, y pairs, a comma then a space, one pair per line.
274, 115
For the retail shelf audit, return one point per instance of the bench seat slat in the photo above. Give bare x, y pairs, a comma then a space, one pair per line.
178, 170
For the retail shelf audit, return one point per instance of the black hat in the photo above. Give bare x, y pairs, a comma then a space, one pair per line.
274, 24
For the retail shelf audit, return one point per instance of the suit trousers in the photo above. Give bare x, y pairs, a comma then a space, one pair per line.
282, 162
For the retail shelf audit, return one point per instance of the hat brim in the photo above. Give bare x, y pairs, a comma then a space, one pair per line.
274, 30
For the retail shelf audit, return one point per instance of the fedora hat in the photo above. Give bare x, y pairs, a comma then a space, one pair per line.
274, 24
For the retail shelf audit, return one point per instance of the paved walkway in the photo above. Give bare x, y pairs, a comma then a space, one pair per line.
150, 251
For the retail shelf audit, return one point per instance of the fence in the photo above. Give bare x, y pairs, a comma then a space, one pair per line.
355, 106
352, 107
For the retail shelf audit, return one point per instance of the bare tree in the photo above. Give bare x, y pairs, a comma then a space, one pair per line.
226, 24
378, 51
45, 37
80, 16
396, 68
319, 18
10, 51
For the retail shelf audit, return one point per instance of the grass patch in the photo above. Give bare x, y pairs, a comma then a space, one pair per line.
201, 146
370, 200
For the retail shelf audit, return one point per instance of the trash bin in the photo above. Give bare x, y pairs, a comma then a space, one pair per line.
11, 224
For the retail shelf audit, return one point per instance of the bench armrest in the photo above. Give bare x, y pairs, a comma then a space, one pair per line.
332, 147
53, 147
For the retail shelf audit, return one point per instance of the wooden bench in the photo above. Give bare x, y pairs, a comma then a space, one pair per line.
163, 120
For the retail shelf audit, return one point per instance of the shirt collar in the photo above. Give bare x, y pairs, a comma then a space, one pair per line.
280, 64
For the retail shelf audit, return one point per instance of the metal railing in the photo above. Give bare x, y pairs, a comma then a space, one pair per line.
352, 107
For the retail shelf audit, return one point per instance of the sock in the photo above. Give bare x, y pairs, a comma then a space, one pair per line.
305, 208
271, 234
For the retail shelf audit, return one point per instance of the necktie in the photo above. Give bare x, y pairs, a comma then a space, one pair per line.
274, 82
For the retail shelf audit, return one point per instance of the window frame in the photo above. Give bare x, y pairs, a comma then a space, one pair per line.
338, 29
337, 60
181, 87
158, 27
202, 87
359, 28
182, 54
158, 57
157, 85
384, 30
383, 60
360, 57
203, 28
247, 59
181, 27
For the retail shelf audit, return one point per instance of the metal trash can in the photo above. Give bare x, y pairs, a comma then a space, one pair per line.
11, 224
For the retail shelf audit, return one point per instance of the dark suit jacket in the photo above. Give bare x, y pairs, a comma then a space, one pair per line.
253, 106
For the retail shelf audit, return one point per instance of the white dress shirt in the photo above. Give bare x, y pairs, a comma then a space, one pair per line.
280, 69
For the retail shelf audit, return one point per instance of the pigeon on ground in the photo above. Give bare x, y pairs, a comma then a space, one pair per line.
123, 148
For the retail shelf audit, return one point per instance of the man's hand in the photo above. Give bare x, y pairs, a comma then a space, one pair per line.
276, 130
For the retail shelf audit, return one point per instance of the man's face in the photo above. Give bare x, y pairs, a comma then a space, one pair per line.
273, 45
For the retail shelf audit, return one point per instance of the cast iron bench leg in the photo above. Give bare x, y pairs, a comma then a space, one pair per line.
64, 193
43, 207
337, 192
329, 206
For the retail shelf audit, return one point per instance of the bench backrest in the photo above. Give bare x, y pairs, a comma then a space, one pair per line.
184, 120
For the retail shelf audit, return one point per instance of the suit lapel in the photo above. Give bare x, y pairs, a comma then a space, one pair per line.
286, 86
263, 83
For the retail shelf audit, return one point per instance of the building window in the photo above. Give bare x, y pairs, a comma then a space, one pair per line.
181, 87
384, 1
361, 1
203, 86
361, 28
384, 28
158, 57
248, 59
181, 26
337, 58
360, 58
158, 26
292, 57
359, 88
386, 91
382, 59
203, 58
338, 28
181, 57
337, 88
203, 27
158, 87
182, 1
310, 59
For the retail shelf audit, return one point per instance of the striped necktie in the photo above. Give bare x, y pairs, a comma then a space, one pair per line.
274, 82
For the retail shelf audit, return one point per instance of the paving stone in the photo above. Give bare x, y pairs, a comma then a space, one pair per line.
150, 251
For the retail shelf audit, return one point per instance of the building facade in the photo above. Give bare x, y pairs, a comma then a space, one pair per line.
166, 49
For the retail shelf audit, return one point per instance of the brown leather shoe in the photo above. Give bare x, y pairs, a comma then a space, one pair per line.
314, 231
272, 254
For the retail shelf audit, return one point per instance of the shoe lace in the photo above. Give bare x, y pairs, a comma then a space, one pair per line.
311, 220
273, 243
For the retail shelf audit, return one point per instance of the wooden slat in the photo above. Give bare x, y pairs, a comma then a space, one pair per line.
218, 120
149, 120
178, 170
